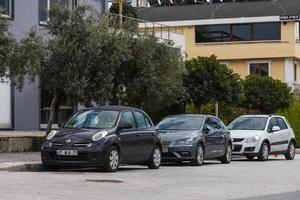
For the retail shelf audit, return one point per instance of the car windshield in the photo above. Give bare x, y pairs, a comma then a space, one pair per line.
248, 123
93, 119
180, 123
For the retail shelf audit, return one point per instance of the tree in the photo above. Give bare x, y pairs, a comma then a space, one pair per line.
266, 94
128, 10
77, 58
206, 80
151, 78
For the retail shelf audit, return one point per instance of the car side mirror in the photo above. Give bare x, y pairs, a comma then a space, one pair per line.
124, 126
275, 128
59, 125
207, 129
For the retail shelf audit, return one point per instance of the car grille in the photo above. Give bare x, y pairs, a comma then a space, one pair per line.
237, 139
166, 143
82, 144
237, 147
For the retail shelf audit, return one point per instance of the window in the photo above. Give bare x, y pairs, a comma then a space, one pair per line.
281, 123
261, 69
6, 7
273, 122
248, 123
140, 120
238, 32
93, 119
46, 5
128, 118
216, 123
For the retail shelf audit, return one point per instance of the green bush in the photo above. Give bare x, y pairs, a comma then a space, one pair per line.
293, 116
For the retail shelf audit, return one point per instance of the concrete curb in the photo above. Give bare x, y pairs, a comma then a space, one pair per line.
297, 151
20, 166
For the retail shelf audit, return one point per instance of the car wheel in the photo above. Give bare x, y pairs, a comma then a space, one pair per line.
250, 157
264, 152
290, 154
112, 160
199, 158
155, 158
227, 156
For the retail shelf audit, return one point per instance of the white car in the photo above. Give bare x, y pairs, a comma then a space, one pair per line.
261, 135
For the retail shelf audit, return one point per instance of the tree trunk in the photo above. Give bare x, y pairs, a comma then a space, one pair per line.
198, 108
217, 109
52, 112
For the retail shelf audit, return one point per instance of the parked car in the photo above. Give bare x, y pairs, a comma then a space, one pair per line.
261, 135
104, 136
194, 138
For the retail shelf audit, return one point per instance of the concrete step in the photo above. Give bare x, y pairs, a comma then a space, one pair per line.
20, 141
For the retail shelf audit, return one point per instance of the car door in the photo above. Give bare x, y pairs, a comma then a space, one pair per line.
284, 134
147, 133
220, 136
273, 136
130, 139
211, 139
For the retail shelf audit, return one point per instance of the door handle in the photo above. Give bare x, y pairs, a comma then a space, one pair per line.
138, 135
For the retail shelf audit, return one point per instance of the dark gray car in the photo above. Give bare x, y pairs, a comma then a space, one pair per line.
194, 138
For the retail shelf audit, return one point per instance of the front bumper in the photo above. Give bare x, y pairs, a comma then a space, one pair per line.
179, 153
85, 157
243, 148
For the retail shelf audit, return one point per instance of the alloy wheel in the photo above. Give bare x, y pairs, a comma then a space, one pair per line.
229, 153
200, 155
265, 152
157, 157
114, 159
292, 150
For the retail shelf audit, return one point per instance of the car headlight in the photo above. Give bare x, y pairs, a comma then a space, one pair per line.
184, 141
51, 134
252, 139
99, 135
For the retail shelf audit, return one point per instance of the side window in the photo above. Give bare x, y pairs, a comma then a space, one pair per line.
148, 123
272, 123
127, 118
281, 123
216, 123
209, 122
140, 119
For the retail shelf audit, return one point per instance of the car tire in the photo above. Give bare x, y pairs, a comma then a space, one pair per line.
155, 158
227, 156
291, 152
199, 157
112, 160
50, 167
250, 157
264, 152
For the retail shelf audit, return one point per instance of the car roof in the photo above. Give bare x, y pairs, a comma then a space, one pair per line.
119, 108
271, 115
191, 115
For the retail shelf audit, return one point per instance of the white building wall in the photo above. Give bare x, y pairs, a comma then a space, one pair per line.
289, 71
5, 105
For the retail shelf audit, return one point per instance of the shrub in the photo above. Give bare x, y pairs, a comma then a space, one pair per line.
293, 115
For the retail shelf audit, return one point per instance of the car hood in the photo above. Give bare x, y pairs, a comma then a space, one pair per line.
173, 135
244, 133
75, 135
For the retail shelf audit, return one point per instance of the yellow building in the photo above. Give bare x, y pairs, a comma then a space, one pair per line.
250, 37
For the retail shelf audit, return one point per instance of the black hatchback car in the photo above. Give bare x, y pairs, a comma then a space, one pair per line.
104, 136
194, 138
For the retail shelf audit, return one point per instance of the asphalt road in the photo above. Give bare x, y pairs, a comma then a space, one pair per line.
273, 180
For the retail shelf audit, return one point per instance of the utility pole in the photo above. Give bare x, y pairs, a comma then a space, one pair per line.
120, 13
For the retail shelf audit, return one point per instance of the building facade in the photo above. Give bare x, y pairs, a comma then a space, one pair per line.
22, 110
251, 37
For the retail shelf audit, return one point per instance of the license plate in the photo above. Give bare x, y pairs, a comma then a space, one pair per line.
165, 150
67, 152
